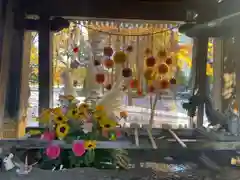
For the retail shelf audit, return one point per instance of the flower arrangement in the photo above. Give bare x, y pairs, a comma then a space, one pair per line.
80, 125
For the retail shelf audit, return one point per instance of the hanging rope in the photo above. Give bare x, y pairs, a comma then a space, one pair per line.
120, 34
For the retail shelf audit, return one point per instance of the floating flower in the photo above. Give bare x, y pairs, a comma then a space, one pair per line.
150, 62
100, 78
62, 130
90, 144
148, 74
108, 51
127, 72
49, 136
78, 148
119, 57
164, 84
169, 61
163, 68
53, 151
108, 63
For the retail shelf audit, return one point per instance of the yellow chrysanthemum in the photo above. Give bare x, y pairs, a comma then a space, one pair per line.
62, 130
45, 116
90, 144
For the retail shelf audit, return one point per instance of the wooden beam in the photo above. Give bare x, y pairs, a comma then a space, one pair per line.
121, 9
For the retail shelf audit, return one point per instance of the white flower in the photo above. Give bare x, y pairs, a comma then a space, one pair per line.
87, 127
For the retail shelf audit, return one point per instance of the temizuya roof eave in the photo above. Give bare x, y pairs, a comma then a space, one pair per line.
120, 9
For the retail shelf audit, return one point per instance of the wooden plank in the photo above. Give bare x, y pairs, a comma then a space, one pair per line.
144, 144
121, 9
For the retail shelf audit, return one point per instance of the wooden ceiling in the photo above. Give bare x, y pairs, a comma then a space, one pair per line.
170, 10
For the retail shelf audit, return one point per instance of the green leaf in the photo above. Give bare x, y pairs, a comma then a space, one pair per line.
89, 157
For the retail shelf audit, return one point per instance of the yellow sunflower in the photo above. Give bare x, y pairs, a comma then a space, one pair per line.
90, 144
45, 116
59, 118
72, 113
62, 130
99, 116
83, 106
57, 110
107, 123
82, 113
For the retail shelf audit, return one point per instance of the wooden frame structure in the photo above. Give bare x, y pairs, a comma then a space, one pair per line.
48, 9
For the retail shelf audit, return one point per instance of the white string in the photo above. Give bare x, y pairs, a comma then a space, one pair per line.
154, 145
136, 136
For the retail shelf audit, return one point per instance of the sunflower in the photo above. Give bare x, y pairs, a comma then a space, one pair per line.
82, 114
98, 116
107, 123
83, 106
62, 130
59, 118
89, 144
45, 116
72, 113
57, 110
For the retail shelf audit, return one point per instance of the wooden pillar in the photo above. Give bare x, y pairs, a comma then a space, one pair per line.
5, 56
237, 68
15, 71
25, 90
228, 74
218, 73
3, 6
45, 64
201, 60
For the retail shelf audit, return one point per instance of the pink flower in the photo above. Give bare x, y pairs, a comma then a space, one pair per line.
118, 133
78, 148
53, 151
49, 136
